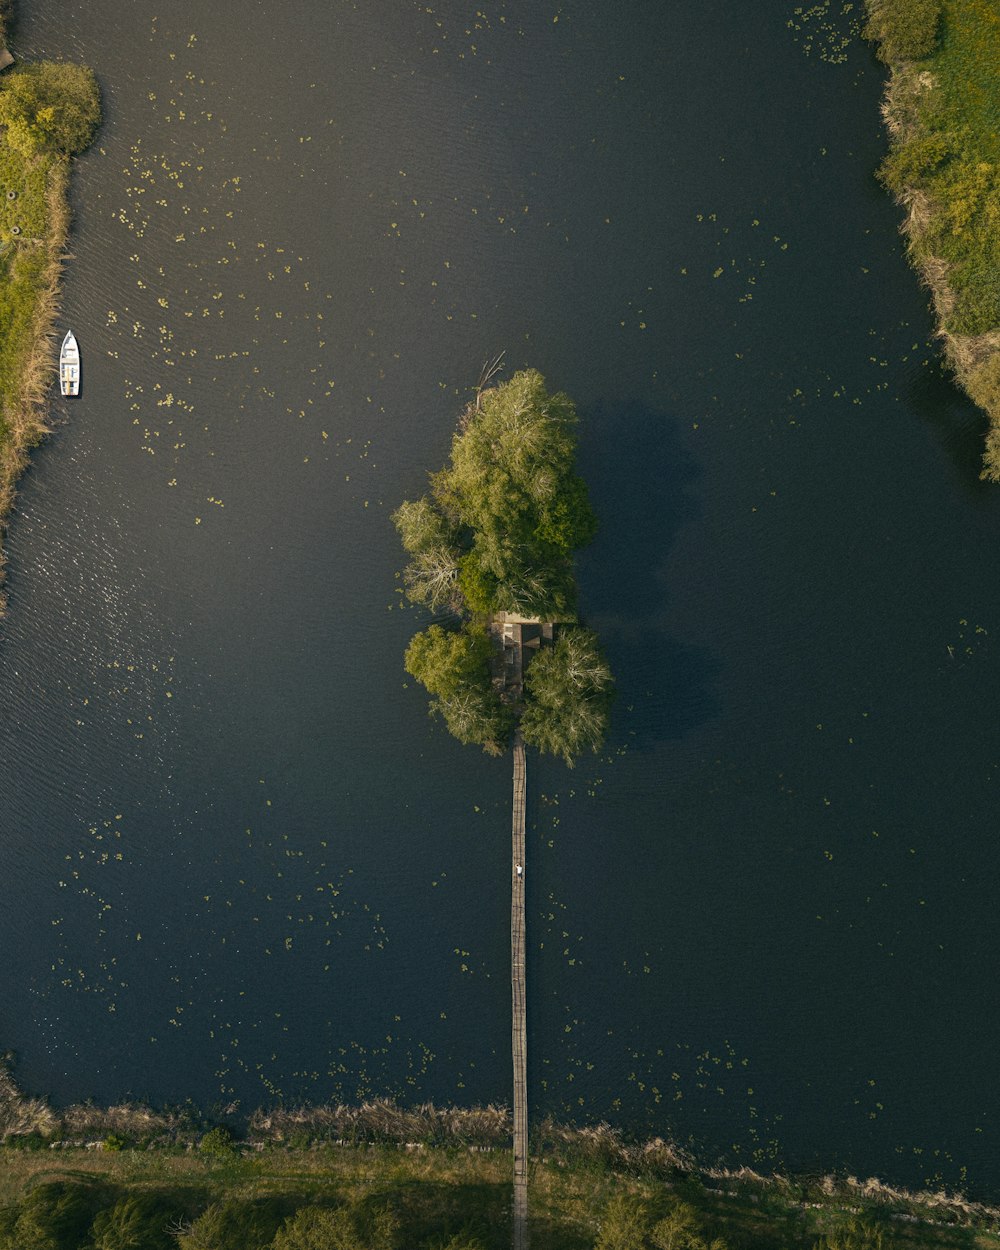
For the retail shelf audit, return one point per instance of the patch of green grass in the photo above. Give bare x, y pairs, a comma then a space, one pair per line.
438, 1193
27, 178
964, 112
904, 29
21, 279
951, 152
944, 111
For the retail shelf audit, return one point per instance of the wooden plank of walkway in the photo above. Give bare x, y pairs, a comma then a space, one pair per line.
519, 1034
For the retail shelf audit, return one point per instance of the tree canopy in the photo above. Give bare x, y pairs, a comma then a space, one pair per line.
629, 1224
498, 529
497, 532
51, 107
135, 1220
569, 690
340, 1228
454, 666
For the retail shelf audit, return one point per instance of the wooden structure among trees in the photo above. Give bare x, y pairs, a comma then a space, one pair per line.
517, 639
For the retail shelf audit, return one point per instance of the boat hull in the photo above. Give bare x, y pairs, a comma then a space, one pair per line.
69, 366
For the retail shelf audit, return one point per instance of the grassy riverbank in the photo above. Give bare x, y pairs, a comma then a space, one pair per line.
435, 1198
47, 112
443, 1175
942, 109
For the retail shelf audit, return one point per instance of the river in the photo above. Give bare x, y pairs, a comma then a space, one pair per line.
239, 863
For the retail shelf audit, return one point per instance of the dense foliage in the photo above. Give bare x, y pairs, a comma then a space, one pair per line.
398, 1206
499, 527
904, 29
49, 107
569, 692
496, 533
454, 667
944, 109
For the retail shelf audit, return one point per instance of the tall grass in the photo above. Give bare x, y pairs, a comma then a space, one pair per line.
29, 295
942, 108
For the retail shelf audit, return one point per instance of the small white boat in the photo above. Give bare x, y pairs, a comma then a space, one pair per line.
69, 366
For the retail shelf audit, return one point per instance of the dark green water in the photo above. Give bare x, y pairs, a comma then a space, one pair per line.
238, 861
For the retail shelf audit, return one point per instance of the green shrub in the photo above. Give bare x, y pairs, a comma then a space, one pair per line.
114, 1142
234, 1225
49, 107
858, 1234
911, 164
139, 1220
317, 1228
218, 1144
478, 585
570, 689
905, 30
54, 1216
454, 666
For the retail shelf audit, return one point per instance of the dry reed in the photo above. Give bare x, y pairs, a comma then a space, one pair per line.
24, 418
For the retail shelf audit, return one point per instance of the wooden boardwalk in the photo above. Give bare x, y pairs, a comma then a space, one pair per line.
519, 1032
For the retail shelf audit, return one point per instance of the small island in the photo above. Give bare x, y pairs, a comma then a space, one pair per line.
940, 109
49, 112
491, 548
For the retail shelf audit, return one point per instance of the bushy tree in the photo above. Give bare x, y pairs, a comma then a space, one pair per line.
504, 517
54, 1216
912, 164
681, 1229
231, 1224
624, 1225
512, 489
906, 30
476, 717
858, 1234
447, 661
341, 1228
431, 577
454, 666
570, 688
497, 533
217, 1143
136, 1222
50, 107
422, 526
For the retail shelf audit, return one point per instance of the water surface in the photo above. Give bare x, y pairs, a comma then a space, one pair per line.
239, 862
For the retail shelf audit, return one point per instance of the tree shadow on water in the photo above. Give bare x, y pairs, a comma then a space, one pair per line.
641, 479
960, 426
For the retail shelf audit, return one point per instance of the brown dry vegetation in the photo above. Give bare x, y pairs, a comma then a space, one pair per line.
449, 1167
22, 411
